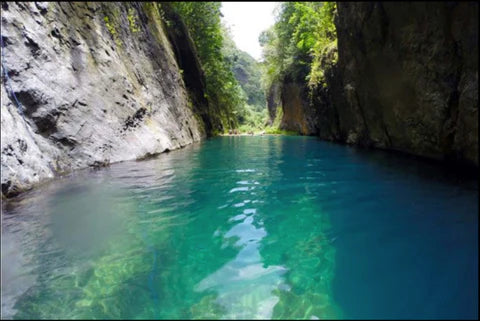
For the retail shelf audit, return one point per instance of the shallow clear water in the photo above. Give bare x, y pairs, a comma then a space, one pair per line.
246, 227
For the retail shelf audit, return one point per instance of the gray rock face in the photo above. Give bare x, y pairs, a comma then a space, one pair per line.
406, 80
98, 83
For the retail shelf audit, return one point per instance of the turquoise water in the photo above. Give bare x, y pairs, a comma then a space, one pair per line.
246, 227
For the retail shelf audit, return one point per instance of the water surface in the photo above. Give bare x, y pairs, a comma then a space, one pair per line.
246, 227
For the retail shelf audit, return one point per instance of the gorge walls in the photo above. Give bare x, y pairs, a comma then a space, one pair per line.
406, 79
96, 83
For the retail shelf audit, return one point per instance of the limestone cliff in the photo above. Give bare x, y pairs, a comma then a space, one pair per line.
96, 82
406, 80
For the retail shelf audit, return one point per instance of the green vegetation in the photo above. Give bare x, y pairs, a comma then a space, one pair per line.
113, 31
110, 22
247, 71
294, 46
223, 92
132, 20
233, 88
276, 131
252, 120
325, 45
252, 114
299, 46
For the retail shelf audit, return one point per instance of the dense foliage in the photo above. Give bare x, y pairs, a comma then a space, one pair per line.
293, 48
223, 92
294, 45
247, 72
233, 87
252, 115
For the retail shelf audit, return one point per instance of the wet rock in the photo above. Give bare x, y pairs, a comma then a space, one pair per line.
100, 163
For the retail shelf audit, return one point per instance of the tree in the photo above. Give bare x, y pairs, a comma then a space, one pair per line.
294, 45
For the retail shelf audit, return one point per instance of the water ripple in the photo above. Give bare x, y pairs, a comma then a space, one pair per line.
245, 227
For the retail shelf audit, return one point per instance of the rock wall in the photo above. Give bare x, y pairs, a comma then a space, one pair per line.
189, 63
410, 77
97, 83
406, 80
274, 101
298, 112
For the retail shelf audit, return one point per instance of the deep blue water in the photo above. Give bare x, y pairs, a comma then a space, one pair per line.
246, 227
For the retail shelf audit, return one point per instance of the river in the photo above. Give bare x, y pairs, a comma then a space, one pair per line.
246, 227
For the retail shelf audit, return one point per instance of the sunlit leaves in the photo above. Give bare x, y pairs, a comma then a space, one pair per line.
295, 44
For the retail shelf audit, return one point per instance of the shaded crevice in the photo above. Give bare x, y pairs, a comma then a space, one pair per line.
188, 61
33, 46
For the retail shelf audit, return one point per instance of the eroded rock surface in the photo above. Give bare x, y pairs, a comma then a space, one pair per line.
98, 83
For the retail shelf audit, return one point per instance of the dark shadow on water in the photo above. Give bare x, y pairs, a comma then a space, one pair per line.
403, 231
440, 171
406, 233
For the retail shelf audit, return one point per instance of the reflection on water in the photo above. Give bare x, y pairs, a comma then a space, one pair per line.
244, 227
244, 286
